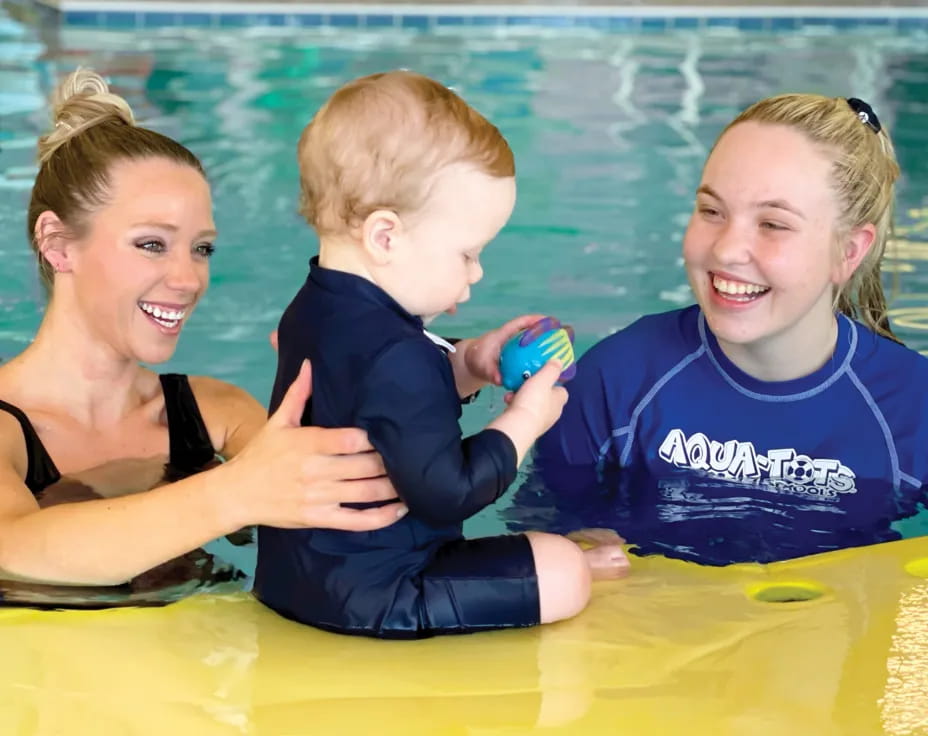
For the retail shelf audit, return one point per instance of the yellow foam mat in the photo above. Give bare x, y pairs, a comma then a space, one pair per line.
747, 650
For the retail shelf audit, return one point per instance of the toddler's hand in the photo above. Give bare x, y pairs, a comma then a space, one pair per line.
532, 409
481, 354
540, 398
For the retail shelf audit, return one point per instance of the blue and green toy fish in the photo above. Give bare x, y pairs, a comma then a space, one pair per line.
527, 352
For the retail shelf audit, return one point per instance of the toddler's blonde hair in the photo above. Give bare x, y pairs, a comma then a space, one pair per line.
378, 142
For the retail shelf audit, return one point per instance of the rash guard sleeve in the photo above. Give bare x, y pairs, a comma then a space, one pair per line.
410, 409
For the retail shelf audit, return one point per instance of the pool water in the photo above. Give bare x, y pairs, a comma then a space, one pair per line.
609, 131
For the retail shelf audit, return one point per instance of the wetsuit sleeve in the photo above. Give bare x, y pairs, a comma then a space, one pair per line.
410, 408
470, 398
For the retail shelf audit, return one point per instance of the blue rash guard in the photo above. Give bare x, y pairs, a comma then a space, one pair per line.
668, 442
375, 368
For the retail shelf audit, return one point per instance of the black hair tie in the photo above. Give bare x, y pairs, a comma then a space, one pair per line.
865, 114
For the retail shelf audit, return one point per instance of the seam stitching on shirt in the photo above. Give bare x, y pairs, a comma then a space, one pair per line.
841, 370
884, 427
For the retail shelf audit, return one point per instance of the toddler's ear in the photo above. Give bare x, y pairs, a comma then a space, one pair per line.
853, 251
379, 235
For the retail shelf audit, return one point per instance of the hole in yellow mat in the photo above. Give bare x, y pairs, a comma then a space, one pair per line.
787, 592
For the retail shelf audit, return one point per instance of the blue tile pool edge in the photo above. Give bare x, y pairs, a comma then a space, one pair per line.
163, 14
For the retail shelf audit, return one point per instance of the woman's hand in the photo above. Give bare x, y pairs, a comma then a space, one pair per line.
293, 477
476, 360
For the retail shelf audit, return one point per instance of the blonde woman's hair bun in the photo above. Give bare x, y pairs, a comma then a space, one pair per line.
81, 101
94, 131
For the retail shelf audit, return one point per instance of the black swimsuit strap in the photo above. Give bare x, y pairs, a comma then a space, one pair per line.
190, 446
41, 471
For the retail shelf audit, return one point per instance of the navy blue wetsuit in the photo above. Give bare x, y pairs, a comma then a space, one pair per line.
375, 368
668, 442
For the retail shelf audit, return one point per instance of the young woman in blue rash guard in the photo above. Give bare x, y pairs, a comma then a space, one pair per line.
779, 416
405, 184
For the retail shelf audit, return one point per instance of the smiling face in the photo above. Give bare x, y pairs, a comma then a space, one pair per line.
438, 255
143, 263
760, 249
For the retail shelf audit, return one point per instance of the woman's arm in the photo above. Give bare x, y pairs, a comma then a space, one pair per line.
104, 541
287, 476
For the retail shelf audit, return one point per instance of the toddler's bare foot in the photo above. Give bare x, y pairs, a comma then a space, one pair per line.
607, 562
595, 536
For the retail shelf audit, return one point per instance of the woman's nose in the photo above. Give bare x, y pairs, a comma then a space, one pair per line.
731, 245
185, 273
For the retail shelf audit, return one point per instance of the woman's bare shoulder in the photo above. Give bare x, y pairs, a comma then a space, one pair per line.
213, 392
232, 415
15, 497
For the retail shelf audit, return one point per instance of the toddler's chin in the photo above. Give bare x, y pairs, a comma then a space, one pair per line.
451, 310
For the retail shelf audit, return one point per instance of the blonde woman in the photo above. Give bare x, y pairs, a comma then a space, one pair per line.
110, 474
